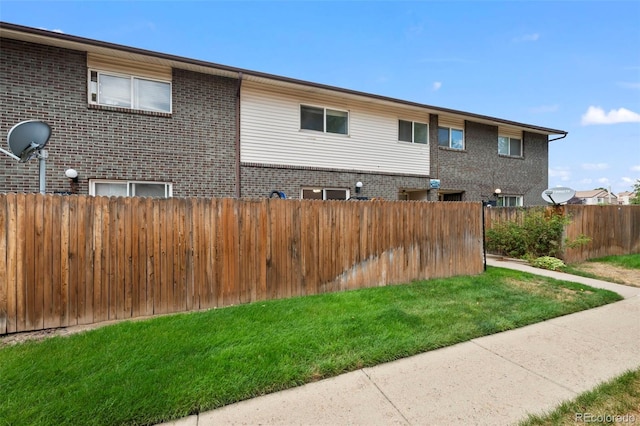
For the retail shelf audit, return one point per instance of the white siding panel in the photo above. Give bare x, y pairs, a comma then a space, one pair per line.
126, 66
270, 133
510, 132
446, 121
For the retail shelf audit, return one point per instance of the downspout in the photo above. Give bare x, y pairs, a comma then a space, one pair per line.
484, 239
238, 171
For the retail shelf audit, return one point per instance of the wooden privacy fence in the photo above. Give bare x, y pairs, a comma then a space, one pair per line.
613, 230
67, 260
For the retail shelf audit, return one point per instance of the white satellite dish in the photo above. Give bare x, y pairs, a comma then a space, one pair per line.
27, 140
558, 195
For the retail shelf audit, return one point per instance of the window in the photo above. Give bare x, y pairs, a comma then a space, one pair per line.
449, 137
128, 91
509, 201
324, 120
123, 188
411, 131
325, 194
509, 146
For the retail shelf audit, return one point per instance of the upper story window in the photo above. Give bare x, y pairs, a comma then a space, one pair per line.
450, 137
129, 91
124, 188
324, 120
412, 131
126, 83
509, 146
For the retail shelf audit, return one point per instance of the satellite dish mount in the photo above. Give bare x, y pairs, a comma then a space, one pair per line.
26, 140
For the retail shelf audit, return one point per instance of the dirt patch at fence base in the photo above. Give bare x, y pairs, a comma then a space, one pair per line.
611, 272
13, 339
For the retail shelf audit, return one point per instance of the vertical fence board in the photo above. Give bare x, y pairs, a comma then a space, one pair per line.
85, 262
155, 267
191, 261
51, 319
145, 257
109, 238
100, 287
4, 287
180, 286
21, 267
7, 284
31, 263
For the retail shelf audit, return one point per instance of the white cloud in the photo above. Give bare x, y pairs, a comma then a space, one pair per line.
627, 180
544, 108
586, 181
437, 85
636, 168
595, 166
596, 115
527, 37
562, 173
628, 85
604, 181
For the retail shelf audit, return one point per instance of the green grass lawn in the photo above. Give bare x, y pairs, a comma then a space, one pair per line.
144, 372
616, 400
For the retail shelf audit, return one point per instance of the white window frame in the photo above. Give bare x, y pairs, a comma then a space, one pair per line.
518, 200
324, 192
413, 132
509, 139
449, 128
131, 185
93, 92
324, 119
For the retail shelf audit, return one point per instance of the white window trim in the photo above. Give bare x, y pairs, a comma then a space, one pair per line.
464, 137
509, 145
413, 132
129, 183
324, 119
324, 192
519, 200
91, 90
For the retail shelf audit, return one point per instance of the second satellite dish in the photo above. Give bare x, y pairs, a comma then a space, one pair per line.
27, 138
558, 195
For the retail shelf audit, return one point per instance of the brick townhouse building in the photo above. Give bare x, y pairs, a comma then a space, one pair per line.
133, 122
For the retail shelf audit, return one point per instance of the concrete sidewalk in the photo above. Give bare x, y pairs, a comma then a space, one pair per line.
492, 380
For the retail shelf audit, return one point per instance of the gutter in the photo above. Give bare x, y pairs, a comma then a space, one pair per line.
561, 137
238, 170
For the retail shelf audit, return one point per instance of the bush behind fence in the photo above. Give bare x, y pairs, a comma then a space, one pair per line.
67, 260
612, 229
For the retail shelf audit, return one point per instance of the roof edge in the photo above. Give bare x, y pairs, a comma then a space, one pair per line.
245, 72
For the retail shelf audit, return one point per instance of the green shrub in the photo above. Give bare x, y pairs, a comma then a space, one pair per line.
540, 234
548, 262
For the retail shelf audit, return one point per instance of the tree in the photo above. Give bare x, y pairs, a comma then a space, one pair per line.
636, 190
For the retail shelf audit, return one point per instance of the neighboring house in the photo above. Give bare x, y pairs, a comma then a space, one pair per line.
596, 196
135, 122
625, 197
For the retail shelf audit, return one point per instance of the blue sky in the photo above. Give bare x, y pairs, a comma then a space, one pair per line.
571, 65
